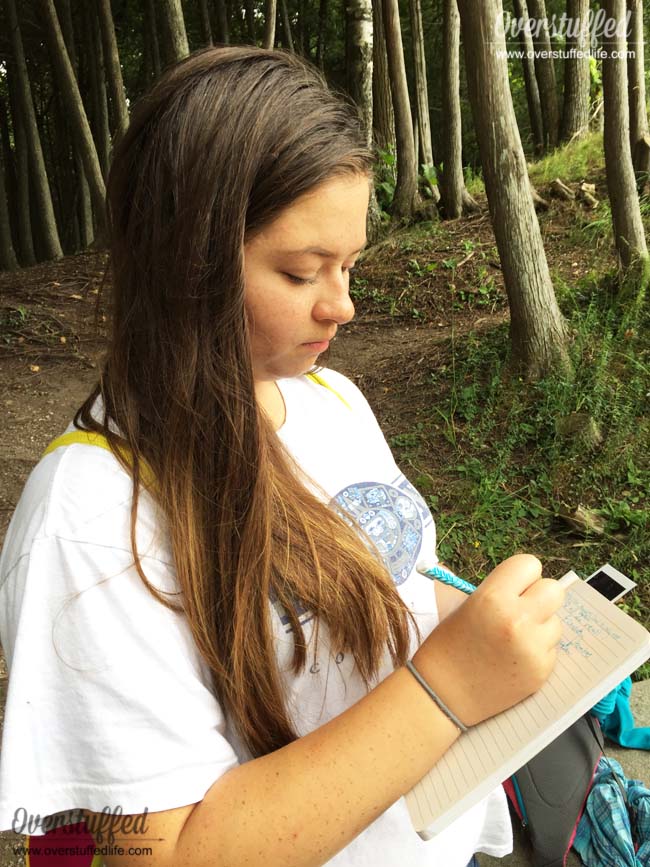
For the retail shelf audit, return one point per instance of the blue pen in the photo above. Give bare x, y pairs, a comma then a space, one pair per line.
434, 570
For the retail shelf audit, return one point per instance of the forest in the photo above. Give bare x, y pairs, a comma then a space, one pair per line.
502, 312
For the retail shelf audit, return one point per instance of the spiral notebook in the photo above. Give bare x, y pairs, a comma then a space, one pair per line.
600, 646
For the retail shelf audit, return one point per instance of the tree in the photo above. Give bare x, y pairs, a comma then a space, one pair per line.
204, 20
75, 109
112, 66
27, 254
287, 39
175, 45
537, 329
629, 235
406, 189
270, 14
545, 72
383, 117
455, 198
577, 77
153, 64
420, 69
8, 260
223, 27
639, 133
530, 77
27, 116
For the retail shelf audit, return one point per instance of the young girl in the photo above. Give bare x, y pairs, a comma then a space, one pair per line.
208, 601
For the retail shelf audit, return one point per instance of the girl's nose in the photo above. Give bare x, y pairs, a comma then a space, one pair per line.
335, 303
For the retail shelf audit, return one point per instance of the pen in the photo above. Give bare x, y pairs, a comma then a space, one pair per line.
435, 570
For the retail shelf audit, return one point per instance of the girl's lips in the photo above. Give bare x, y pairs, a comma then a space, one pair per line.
319, 346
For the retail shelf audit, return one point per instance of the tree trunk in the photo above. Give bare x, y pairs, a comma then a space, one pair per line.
359, 15
530, 77
455, 198
320, 36
250, 21
545, 70
270, 14
629, 235
8, 260
113, 68
204, 20
636, 85
383, 117
74, 109
420, 69
286, 26
577, 78
38, 175
27, 254
151, 43
223, 27
406, 189
175, 45
537, 329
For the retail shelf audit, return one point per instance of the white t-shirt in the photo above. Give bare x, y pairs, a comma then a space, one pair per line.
109, 702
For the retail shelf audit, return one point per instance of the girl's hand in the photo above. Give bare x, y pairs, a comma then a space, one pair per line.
499, 646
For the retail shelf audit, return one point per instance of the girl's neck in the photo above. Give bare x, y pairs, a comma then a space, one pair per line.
269, 398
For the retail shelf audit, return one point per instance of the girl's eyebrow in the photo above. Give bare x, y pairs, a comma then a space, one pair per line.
319, 251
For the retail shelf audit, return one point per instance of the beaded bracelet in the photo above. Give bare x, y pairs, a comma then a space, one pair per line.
443, 707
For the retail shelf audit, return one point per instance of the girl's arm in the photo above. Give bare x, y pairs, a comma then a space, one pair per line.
301, 804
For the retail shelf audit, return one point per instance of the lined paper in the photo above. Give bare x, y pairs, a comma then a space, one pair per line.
600, 646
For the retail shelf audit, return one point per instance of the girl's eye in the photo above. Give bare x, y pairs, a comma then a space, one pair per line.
300, 281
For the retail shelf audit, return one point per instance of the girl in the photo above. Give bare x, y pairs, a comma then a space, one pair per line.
208, 587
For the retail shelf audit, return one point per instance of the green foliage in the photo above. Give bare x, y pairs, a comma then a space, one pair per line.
575, 162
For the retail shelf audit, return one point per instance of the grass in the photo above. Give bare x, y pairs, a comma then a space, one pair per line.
580, 160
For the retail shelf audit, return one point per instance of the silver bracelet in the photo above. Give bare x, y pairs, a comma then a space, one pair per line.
443, 707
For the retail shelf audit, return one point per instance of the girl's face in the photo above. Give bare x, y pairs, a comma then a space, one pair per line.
297, 276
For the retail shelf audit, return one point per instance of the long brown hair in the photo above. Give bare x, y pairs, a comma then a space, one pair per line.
223, 142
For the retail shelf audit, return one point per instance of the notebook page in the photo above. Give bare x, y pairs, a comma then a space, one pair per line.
600, 646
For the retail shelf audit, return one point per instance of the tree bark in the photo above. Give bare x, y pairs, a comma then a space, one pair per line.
420, 70
250, 21
94, 64
74, 108
204, 20
151, 44
455, 198
629, 235
406, 189
382, 103
530, 77
545, 71
577, 78
223, 27
41, 186
27, 254
175, 45
113, 68
270, 14
537, 329
636, 84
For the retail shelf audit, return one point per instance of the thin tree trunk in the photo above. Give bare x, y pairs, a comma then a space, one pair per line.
545, 70
302, 42
270, 14
250, 21
406, 189
382, 103
320, 36
11, 184
455, 198
223, 27
577, 78
359, 14
98, 103
113, 68
639, 133
8, 260
153, 65
629, 235
27, 254
286, 26
537, 329
530, 77
175, 45
420, 69
41, 186
204, 20
74, 109
84, 205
